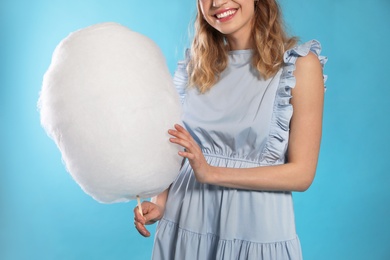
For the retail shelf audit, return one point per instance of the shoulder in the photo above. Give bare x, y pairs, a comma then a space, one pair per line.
309, 60
309, 81
308, 66
305, 63
308, 52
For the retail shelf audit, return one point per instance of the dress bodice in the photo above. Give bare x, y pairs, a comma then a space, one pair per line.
243, 116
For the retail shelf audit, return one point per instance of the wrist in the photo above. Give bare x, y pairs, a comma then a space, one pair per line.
212, 175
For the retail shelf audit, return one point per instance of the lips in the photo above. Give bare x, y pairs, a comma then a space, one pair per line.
225, 14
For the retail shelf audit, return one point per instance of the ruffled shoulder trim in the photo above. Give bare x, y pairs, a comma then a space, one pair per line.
180, 77
276, 146
291, 55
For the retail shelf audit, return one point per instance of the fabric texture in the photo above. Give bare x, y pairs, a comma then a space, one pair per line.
242, 122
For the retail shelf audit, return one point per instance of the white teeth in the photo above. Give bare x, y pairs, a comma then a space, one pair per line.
225, 14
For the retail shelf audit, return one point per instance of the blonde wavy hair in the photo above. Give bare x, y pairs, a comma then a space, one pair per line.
209, 50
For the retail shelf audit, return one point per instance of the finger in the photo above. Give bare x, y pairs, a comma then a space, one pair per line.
182, 130
138, 217
179, 127
184, 143
188, 155
179, 135
141, 229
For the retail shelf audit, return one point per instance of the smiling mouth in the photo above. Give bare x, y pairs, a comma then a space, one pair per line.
226, 14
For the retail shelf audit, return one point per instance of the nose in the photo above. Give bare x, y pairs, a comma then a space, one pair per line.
219, 3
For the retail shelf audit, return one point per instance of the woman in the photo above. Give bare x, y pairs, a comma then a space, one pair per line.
240, 84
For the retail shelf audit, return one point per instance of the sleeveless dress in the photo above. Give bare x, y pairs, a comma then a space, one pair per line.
243, 121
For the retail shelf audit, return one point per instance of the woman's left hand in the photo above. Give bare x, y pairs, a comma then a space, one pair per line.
192, 152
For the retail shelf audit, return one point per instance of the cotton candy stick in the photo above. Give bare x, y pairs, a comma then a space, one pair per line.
139, 206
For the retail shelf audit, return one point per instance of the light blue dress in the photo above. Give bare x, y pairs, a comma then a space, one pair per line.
243, 121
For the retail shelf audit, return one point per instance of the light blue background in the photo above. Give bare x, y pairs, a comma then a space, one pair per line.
344, 215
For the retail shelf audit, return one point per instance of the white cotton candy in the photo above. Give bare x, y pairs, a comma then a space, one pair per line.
107, 100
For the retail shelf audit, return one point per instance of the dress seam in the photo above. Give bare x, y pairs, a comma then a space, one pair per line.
229, 240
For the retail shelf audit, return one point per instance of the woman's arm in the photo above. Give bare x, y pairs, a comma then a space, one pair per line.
304, 142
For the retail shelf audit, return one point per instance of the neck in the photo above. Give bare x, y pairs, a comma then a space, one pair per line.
240, 44
233, 45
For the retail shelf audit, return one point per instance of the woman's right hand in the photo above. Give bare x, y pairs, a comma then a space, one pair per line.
151, 213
